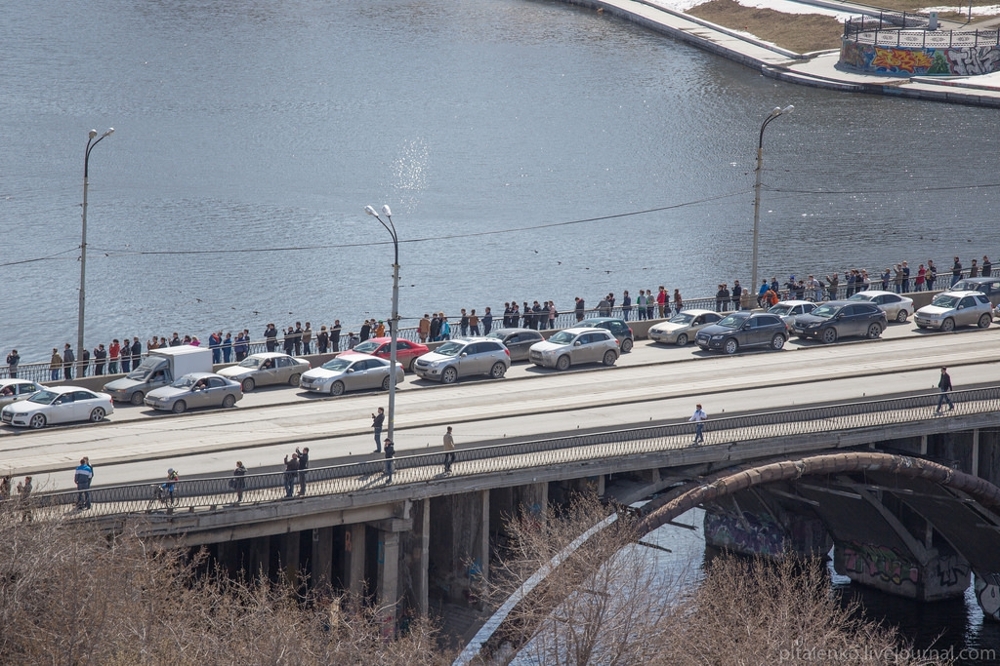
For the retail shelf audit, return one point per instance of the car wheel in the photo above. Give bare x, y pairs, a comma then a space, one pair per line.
37, 421
498, 370
385, 383
409, 366
137, 398
248, 384
682, 340
96, 415
731, 346
901, 316
948, 325
179, 407
874, 331
626, 345
229, 401
985, 321
449, 376
829, 336
337, 388
778, 341
294, 379
562, 363
610, 357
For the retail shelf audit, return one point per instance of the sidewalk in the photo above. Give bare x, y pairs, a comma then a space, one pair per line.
818, 70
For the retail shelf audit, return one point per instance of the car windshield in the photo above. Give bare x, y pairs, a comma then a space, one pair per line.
781, 309
337, 364
945, 301
367, 347
861, 296
734, 320
251, 362
450, 349
967, 285
43, 397
682, 318
497, 334
146, 368
563, 338
826, 310
187, 381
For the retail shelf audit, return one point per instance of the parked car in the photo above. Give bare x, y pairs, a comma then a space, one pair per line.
896, 307
683, 326
517, 341
789, 310
193, 390
406, 351
951, 309
464, 357
58, 404
744, 329
574, 346
266, 368
618, 327
837, 319
15, 390
990, 286
350, 372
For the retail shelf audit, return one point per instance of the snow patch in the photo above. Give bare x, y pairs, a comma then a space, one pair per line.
988, 10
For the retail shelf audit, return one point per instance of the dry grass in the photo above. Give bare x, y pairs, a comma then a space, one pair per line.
801, 33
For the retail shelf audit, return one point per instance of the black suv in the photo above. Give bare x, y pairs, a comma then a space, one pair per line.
836, 319
744, 329
618, 328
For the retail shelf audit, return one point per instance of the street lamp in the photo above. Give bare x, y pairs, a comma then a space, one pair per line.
394, 321
778, 111
83, 247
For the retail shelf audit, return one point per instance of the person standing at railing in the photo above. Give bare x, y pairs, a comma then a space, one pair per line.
303, 466
737, 295
239, 483
291, 471
242, 346
956, 271
68, 360
699, 418
663, 301
55, 365
83, 476
931, 274
100, 358
488, 321
390, 452
12, 360
449, 451
335, 336
944, 384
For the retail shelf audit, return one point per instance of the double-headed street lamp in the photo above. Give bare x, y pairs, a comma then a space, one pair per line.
778, 111
394, 321
83, 247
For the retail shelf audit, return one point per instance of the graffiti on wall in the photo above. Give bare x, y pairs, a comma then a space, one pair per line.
968, 61
753, 535
879, 563
988, 594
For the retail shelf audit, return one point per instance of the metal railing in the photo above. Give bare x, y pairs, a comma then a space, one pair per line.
211, 493
894, 29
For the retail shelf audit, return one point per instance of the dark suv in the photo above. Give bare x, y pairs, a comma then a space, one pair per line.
618, 328
744, 329
837, 319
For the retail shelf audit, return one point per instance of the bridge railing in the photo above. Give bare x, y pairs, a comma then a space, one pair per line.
358, 477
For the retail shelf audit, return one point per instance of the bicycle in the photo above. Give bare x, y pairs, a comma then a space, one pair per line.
161, 498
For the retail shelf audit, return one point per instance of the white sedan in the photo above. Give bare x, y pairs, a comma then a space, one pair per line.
895, 307
350, 372
58, 404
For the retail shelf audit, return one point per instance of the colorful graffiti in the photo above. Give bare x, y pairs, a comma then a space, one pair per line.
750, 535
879, 563
968, 61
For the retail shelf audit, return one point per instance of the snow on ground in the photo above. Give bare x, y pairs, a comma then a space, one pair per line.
989, 10
784, 6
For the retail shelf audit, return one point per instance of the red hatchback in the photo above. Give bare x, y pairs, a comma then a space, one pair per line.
406, 351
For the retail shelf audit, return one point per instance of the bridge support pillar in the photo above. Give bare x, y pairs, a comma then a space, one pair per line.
459, 544
354, 558
943, 576
417, 555
321, 560
288, 556
532, 499
388, 573
749, 533
259, 557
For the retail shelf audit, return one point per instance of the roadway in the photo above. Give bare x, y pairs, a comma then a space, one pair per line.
652, 384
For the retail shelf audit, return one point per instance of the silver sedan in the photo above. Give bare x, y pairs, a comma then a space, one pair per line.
13, 390
266, 368
350, 372
683, 326
197, 389
896, 307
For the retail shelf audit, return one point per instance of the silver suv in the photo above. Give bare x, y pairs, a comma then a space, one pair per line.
574, 346
955, 308
464, 357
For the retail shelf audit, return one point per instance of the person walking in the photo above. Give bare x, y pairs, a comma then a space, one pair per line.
699, 418
239, 483
291, 471
82, 477
303, 466
944, 384
13, 358
390, 451
449, 451
378, 420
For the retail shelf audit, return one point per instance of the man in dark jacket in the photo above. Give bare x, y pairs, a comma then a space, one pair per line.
303, 466
291, 470
68, 360
944, 383
100, 358
378, 420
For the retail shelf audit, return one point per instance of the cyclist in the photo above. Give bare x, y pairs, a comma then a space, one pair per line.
168, 487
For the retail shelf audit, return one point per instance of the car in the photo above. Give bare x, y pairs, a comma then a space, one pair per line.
58, 404
896, 308
464, 357
517, 341
789, 310
618, 327
951, 309
990, 286
683, 326
195, 389
575, 346
744, 329
350, 372
15, 390
266, 368
406, 351
838, 319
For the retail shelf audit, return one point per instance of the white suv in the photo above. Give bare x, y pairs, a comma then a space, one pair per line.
574, 346
955, 308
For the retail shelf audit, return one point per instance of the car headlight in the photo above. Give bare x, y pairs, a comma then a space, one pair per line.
718, 336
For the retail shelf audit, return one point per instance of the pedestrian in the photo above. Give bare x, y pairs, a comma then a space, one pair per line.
737, 294
379, 329
424, 328
974, 269
921, 280
449, 451
100, 359
113, 349
445, 328
366, 330
604, 307
323, 340
55, 365
640, 305
352, 340
137, 351
463, 323
215, 344
82, 477
579, 309
297, 338
291, 471
84, 362
13, 358
931, 274
956, 271
307, 336
227, 348
626, 305
335, 336
239, 483
987, 267
271, 337
833, 285
473, 323
390, 451
435, 328
242, 346
288, 341
68, 360
303, 466
699, 417
944, 384
906, 278
378, 420
662, 301
678, 301
487, 321
171, 483
175, 341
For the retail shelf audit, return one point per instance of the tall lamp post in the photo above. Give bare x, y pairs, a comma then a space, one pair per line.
756, 190
83, 247
394, 321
